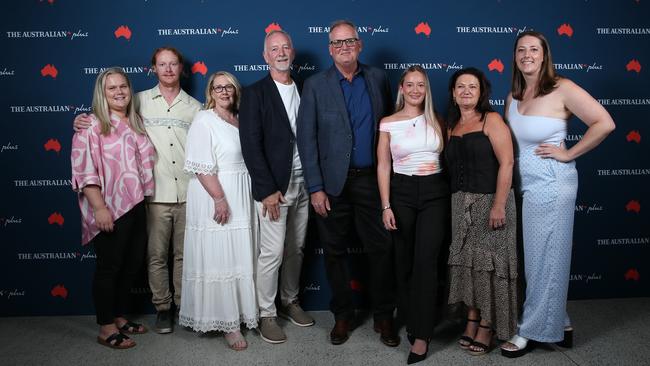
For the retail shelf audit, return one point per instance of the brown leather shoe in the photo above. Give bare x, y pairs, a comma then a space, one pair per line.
387, 331
340, 332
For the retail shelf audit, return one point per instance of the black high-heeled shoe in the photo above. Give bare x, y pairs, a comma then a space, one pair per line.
483, 348
415, 358
567, 342
465, 338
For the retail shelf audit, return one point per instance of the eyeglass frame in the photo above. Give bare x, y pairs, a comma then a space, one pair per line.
220, 88
350, 42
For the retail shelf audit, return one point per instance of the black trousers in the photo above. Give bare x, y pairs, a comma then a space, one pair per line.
358, 208
120, 255
421, 205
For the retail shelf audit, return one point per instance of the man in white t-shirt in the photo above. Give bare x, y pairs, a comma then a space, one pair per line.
267, 129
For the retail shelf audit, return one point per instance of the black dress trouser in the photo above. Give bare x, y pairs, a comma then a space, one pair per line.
358, 208
421, 205
120, 255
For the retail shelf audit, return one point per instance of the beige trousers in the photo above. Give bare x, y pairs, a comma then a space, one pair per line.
165, 224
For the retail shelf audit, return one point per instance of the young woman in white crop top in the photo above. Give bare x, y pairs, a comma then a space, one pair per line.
415, 203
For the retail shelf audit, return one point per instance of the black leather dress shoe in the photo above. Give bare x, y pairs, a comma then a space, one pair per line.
388, 335
340, 332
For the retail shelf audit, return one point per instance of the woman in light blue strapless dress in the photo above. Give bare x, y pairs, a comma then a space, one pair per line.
538, 108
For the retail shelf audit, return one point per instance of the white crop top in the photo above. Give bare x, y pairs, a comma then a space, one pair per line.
413, 145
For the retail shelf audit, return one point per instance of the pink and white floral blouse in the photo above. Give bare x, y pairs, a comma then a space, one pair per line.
413, 145
120, 163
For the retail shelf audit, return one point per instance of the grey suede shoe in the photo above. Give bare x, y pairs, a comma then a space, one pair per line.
270, 331
294, 313
164, 322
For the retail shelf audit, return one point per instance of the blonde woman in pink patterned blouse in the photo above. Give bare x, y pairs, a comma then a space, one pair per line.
415, 200
112, 164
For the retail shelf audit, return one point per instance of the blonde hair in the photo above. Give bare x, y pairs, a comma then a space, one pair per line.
100, 104
429, 110
209, 100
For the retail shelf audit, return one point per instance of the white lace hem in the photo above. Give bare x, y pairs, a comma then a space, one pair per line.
218, 325
245, 225
199, 168
203, 277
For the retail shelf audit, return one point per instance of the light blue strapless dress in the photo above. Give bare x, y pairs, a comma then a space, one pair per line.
549, 193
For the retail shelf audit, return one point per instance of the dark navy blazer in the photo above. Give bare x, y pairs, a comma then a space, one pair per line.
324, 131
267, 141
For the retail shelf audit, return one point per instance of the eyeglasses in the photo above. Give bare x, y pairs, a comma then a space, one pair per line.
219, 88
338, 43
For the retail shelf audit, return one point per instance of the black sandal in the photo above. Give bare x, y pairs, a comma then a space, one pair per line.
469, 340
132, 328
115, 341
483, 348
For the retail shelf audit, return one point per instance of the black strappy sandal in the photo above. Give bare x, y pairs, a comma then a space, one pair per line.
467, 339
133, 328
115, 341
483, 348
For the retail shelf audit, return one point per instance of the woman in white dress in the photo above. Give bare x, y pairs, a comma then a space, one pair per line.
220, 233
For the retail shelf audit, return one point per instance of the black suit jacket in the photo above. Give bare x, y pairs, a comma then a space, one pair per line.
323, 127
267, 141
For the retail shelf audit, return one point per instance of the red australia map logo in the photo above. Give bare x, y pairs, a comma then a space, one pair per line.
123, 31
633, 135
59, 291
632, 274
423, 28
565, 30
53, 145
496, 65
633, 65
49, 70
199, 67
272, 27
56, 218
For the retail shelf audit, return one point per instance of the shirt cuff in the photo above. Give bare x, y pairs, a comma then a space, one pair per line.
314, 189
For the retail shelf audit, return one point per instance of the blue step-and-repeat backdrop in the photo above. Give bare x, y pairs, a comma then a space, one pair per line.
54, 49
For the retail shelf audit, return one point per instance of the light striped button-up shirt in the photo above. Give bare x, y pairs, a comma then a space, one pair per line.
167, 126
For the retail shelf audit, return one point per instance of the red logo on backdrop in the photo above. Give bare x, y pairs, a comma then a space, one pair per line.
53, 145
55, 218
632, 274
496, 65
565, 30
49, 70
633, 65
633, 206
355, 285
49, 1
123, 31
633, 135
423, 28
59, 291
272, 27
199, 67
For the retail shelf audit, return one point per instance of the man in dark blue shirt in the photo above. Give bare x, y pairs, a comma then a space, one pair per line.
337, 130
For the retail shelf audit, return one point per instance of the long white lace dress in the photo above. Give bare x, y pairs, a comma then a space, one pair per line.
218, 293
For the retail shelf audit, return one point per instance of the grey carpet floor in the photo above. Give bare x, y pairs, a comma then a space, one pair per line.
608, 332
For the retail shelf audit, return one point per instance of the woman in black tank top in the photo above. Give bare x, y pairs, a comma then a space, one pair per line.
482, 255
